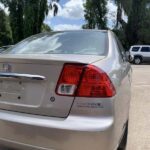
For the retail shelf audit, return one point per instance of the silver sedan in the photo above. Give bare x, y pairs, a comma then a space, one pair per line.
67, 90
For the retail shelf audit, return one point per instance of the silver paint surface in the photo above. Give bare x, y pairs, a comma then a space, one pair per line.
67, 123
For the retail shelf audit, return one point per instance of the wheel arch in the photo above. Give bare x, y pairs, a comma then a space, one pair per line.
138, 56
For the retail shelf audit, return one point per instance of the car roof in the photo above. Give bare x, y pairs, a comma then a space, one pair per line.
81, 30
140, 45
67, 31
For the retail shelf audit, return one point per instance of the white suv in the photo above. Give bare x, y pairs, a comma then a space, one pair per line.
140, 53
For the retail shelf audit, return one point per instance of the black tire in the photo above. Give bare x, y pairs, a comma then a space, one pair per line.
123, 142
137, 60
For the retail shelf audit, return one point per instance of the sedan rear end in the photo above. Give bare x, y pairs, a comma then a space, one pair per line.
64, 90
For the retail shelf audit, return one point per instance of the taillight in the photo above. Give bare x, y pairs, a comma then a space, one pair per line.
95, 83
69, 79
84, 81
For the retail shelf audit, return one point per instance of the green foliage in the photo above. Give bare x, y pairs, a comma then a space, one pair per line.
34, 15
136, 30
125, 5
26, 16
139, 21
45, 28
144, 31
5, 33
134, 22
95, 14
122, 5
16, 19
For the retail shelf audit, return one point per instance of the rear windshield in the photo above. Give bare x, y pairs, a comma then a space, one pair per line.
84, 43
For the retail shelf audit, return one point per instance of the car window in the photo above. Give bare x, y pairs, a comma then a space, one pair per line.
145, 49
135, 49
79, 42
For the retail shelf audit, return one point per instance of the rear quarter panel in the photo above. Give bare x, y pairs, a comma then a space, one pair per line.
116, 108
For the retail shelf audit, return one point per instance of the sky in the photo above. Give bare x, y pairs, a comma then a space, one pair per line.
71, 15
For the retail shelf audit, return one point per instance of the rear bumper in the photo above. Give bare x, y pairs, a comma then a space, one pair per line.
25, 131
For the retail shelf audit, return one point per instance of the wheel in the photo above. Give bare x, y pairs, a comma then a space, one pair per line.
123, 142
137, 60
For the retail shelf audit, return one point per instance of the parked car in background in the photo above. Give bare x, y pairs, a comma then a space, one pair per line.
3, 48
67, 90
140, 53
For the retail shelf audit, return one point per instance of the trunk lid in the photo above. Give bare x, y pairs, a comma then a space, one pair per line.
28, 82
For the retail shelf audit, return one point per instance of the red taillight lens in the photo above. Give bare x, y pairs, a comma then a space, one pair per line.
84, 81
69, 79
95, 83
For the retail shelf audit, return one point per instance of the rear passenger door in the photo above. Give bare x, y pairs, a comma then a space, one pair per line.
145, 51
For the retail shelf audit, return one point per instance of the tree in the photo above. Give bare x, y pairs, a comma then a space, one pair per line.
136, 30
135, 19
53, 6
45, 28
95, 14
34, 15
122, 5
144, 31
5, 34
16, 18
26, 16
